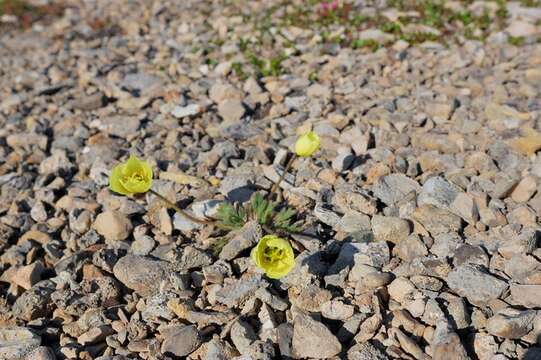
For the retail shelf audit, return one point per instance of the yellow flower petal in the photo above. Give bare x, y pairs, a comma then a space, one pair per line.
273, 255
132, 166
307, 144
255, 256
136, 186
133, 176
114, 180
147, 170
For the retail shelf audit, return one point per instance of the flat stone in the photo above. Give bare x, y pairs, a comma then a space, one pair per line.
353, 221
143, 245
95, 335
141, 274
231, 110
400, 289
438, 192
184, 111
236, 292
119, 125
90, 102
476, 284
524, 189
470, 254
243, 239
446, 344
393, 188
284, 333
485, 346
464, 206
510, 323
527, 145
41, 353
184, 224
337, 310
374, 279
141, 83
410, 248
309, 297
366, 351
192, 258
220, 91
445, 244
352, 254
525, 295
438, 142
520, 28
504, 113
181, 341
274, 301
113, 225
392, 229
312, 339
242, 336
437, 221
16, 342
24, 276
375, 34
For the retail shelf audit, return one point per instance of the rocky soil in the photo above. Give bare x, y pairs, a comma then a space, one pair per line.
420, 212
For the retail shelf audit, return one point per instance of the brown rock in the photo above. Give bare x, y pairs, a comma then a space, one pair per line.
312, 339
446, 344
113, 225
524, 189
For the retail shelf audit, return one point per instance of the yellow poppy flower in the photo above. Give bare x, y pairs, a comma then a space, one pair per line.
307, 144
274, 255
133, 176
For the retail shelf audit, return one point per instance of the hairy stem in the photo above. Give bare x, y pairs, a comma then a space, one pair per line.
276, 185
179, 210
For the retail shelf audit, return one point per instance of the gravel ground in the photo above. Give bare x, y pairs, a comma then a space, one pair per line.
419, 214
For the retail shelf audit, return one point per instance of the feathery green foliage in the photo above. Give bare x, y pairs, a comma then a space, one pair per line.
263, 211
231, 217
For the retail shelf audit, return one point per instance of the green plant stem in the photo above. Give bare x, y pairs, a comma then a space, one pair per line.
179, 210
276, 185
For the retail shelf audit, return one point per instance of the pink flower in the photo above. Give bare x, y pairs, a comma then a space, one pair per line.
326, 7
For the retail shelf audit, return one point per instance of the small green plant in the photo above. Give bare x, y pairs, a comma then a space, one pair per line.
231, 217
391, 27
465, 17
419, 37
212, 62
502, 12
358, 19
483, 21
516, 40
264, 67
237, 68
365, 43
433, 14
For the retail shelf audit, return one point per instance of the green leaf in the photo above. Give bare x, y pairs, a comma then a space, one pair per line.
230, 217
283, 220
263, 209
